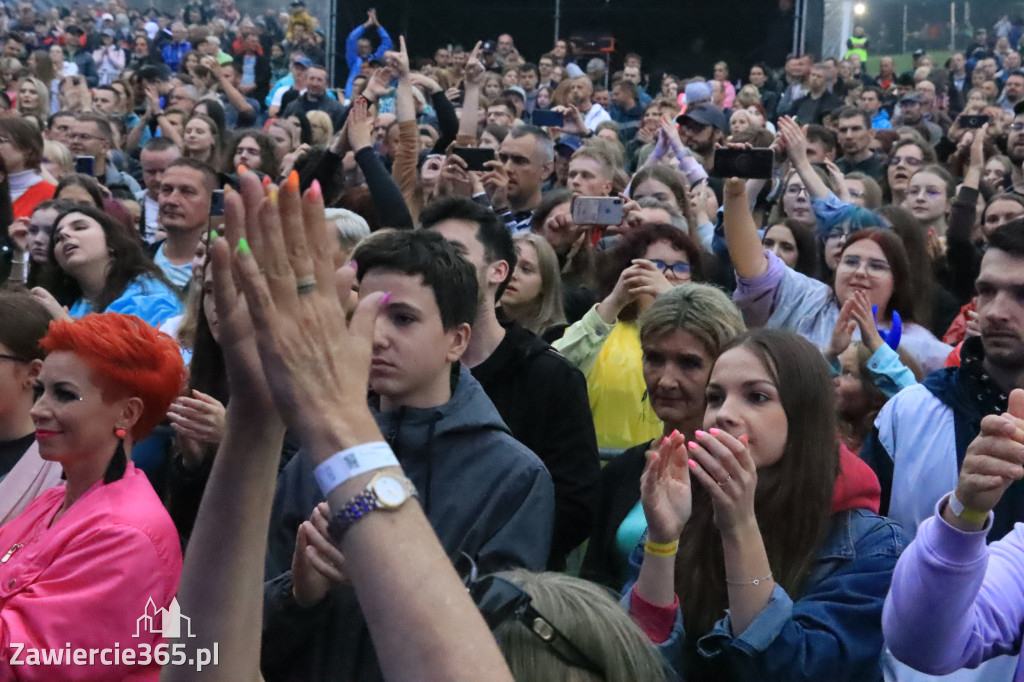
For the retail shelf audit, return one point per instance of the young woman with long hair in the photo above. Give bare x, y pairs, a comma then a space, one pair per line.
533, 297
765, 558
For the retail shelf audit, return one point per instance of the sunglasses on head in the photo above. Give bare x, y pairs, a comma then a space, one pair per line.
501, 601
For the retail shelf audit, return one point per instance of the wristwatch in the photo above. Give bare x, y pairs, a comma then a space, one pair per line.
384, 491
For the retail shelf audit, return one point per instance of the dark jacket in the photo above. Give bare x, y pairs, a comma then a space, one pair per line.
543, 399
618, 491
810, 110
306, 103
484, 493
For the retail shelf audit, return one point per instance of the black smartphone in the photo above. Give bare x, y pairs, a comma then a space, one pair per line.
972, 120
85, 165
743, 163
549, 119
475, 157
217, 203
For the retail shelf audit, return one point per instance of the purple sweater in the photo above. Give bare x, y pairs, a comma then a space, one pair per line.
954, 601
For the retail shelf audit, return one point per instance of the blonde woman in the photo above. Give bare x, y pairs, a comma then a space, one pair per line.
533, 297
33, 98
321, 125
57, 161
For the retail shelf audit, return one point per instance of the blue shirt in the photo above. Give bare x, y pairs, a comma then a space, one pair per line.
147, 298
179, 275
355, 62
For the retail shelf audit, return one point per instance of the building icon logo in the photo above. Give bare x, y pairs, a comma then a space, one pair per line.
166, 622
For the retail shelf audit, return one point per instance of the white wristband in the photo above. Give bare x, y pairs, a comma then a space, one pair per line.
352, 462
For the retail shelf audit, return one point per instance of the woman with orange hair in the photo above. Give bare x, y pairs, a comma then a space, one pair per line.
83, 564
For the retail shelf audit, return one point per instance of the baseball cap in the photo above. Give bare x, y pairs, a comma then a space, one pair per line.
108, 32
108, 17
488, 46
911, 97
706, 114
515, 90
697, 92
567, 145
303, 62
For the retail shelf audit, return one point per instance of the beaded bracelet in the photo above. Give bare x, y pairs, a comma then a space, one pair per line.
661, 548
755, 581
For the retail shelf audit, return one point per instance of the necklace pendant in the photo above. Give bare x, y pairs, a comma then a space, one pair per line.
11, 552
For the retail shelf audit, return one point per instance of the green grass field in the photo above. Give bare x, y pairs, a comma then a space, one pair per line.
903, 61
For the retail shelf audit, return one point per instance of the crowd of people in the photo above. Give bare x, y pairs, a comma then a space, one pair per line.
465, 366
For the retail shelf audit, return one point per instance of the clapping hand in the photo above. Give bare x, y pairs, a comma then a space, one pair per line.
315, 363
994, 459
723, 465
665, 490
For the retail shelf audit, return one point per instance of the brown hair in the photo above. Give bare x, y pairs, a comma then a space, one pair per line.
23, 323
793, 496
25, 137
902, 299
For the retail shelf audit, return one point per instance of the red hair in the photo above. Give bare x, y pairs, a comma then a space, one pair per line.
127, 357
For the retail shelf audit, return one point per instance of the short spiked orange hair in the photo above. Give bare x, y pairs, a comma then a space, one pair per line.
128, 358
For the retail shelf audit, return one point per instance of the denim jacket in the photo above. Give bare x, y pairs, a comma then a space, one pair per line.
832, 631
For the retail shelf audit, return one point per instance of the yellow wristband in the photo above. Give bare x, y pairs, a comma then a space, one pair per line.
661, 548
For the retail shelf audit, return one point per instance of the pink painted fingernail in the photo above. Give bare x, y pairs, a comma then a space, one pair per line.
354, 265
691, 445
693, 465
714, 432
699, 433
675, 432
384, 299
315, 192
743, 439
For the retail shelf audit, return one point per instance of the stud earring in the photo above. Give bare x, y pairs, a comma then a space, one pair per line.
120, 433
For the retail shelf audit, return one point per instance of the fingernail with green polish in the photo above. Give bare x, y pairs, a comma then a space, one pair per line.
243, 247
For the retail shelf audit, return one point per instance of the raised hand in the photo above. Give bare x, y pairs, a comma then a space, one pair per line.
379, 84
398, 61
572, 121
842, 333
495, 181
794, 138
994, 459
665, 490
200, 418
644, 278
725, 468
360, 126
474, 71
315, 363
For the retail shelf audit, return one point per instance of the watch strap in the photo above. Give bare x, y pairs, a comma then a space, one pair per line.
362, 504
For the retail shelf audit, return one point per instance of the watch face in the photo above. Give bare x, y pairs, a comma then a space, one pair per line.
390, 491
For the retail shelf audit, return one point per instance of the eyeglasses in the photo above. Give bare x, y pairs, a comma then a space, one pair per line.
796, 190
875, 266
855, 193
837, 233
1016, 126
908, 160
678, 269
84, 137
500, 601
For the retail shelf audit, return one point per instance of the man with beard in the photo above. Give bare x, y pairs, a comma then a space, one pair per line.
912, 116
922, 435
1015, 148
581, 92
702, 128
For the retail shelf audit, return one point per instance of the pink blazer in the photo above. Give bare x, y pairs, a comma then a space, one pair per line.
86, 580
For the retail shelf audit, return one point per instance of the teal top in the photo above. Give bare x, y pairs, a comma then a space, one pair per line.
628, 536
